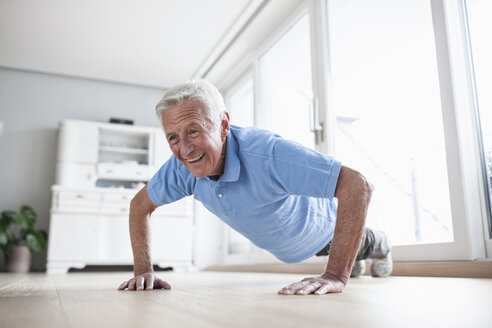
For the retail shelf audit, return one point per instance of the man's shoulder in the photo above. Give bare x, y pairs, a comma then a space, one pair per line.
251, 132
265, 143
254, 141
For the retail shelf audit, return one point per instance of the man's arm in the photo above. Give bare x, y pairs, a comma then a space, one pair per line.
354, 194
140, 209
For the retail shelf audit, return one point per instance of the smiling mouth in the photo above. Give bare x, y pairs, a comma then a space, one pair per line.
195, 159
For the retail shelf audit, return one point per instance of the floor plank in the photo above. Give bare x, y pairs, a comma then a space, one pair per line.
30, 300
224, 299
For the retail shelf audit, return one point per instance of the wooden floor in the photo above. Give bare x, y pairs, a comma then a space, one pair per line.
225, 299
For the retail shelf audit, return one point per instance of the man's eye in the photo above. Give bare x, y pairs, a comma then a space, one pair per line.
193, 131
172, 138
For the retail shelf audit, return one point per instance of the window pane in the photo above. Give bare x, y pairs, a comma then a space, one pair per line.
285, 85
389, 120
479, 13
241, 104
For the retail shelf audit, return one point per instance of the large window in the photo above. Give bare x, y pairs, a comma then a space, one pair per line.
480, 25
393, 86
388, 114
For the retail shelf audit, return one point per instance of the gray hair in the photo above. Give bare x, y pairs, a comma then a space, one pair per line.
201, 90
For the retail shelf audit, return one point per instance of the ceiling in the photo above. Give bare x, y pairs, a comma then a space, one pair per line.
146, 42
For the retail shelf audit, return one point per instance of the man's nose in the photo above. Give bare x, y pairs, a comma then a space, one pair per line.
187, 147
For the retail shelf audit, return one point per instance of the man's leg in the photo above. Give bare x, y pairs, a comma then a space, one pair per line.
376, 246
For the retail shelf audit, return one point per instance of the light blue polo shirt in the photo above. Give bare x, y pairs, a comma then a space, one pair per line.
277, 193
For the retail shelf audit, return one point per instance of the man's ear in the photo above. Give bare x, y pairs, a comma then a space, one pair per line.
225, 126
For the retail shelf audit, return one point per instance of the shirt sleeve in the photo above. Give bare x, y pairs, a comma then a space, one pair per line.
172, 182
298, 170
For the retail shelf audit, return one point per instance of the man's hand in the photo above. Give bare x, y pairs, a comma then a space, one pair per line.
318, 285
144, 281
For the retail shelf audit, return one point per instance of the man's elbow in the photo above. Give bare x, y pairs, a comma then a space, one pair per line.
353, 182
368, 186
141, 204
363, 187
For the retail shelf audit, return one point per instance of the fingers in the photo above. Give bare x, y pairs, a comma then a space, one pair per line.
293, 288
123, 285
159, 283
140, 283
323, 290
309, 288
149, 283
144, 282
313, 285
131, 284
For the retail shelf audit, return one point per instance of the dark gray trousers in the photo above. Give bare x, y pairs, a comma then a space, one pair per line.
374, 245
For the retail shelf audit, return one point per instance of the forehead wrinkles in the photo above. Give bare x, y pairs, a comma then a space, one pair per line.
178, 119
184, 117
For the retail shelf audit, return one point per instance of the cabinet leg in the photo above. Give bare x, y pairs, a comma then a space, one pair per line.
179, 267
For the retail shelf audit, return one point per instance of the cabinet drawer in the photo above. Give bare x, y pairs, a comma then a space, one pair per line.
78, 196
78, 201
116, 203
115, 208
123, 172
124, 198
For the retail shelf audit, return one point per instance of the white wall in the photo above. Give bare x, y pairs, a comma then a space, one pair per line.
31, 105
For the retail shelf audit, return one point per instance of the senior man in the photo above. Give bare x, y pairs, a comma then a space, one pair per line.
288, 199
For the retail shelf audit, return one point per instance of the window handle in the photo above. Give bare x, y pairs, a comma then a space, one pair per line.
314, 124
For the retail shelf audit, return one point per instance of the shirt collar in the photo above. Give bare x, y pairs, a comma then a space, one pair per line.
232, 165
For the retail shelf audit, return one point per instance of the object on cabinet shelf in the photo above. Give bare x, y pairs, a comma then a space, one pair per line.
100, 168
120, 121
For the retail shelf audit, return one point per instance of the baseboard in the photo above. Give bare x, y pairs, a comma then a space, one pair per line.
468, 269
471, 269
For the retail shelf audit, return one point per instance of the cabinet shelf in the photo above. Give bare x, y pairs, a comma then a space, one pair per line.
123, 150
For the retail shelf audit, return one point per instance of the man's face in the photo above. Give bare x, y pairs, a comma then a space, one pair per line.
194, 140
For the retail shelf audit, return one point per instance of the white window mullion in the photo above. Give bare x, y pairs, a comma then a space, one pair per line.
476, 14
321, 76
467, 126
461, 141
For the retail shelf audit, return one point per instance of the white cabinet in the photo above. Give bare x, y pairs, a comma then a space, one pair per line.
100, 168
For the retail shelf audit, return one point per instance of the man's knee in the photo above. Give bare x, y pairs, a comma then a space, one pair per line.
374, 245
